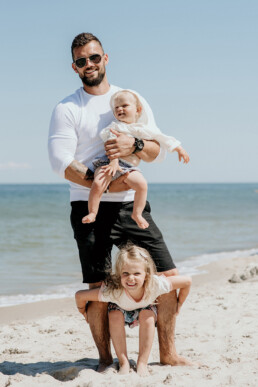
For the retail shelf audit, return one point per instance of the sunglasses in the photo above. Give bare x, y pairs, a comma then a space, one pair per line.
95, 58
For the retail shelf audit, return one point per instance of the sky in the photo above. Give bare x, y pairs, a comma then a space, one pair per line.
195, 62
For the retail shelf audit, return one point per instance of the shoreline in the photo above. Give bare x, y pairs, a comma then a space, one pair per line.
192, 266
49, 343
220, 270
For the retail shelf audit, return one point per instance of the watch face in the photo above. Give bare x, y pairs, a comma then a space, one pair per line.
139, 145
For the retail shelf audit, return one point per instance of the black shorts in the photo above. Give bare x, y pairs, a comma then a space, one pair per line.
114, 226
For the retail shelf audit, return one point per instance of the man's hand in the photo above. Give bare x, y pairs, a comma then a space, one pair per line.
121, 146
182, 154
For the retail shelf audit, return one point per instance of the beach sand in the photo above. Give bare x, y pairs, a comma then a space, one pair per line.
49, 344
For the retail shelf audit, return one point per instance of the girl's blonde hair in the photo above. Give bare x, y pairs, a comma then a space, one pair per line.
130, 253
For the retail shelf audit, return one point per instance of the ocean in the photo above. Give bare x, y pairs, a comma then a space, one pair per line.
200, 223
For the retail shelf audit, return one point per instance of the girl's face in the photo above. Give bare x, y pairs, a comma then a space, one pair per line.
133, 276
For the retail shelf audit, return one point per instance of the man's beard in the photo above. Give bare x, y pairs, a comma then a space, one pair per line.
94, 81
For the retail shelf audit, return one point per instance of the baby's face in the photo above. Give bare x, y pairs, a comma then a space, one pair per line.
125, 108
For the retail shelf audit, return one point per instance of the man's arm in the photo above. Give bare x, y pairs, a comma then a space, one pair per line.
123, 146
76, 172
62, 143
150, 151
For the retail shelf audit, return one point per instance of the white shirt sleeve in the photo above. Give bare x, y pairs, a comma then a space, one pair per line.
62, 140
108, 297
161, 285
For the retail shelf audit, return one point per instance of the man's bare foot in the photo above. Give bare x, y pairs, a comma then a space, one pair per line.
124, 368
91, 217
103, 366
176, 361
142, 223
142, 369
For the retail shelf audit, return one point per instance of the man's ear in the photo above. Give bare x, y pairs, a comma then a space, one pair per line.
74, 68
106, 58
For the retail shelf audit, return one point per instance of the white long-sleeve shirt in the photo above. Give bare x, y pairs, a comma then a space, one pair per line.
74, 135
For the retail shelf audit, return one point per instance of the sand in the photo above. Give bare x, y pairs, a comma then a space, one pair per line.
49, 344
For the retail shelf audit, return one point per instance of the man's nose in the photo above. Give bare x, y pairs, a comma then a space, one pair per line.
88, 63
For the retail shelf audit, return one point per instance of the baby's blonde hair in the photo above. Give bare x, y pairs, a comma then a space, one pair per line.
129, 253
114, 96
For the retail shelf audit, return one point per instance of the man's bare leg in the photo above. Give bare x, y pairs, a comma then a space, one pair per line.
98, 321
166, 323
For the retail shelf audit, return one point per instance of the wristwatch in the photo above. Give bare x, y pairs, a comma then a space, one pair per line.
139, 145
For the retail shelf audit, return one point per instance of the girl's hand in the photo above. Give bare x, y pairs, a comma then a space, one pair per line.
85, 316
182, 154
179, 306
83, 312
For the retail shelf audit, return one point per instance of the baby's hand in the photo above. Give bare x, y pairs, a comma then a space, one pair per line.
182, 154
111, 169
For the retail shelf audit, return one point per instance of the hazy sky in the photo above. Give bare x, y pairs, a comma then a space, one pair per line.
194, 61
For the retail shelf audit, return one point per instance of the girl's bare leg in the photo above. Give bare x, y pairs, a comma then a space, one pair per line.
99, 185
146, 336
117, 333
136, 181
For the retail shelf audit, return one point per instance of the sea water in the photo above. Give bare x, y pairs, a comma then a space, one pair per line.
200, 223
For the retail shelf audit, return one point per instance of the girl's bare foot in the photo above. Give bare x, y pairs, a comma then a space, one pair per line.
91, 217
142, 369
142, 223
124, 368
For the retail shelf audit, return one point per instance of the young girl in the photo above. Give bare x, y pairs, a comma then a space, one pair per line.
131, 120
131, 292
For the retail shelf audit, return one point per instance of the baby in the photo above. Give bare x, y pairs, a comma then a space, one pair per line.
128, 110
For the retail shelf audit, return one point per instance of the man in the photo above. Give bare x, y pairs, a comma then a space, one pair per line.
74, 142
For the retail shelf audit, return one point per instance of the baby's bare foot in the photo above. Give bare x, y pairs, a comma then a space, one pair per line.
142, 223
124, 368
91, 217
142, 369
